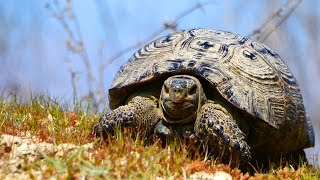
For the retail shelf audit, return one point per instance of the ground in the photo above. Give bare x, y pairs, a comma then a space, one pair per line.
41, 139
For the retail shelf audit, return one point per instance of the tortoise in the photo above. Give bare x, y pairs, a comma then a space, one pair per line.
227, 90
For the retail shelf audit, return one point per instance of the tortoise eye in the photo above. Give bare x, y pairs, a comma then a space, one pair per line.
192, 88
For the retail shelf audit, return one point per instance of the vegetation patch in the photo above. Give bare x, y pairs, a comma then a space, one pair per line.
40, 139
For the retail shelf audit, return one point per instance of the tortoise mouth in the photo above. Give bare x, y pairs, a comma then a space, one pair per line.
178, 111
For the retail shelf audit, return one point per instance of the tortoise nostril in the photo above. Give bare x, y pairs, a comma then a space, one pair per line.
178, 93
177, 89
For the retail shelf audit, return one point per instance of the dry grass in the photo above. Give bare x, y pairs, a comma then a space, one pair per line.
119, 157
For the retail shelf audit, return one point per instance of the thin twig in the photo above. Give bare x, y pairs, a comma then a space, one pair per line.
84, 53
258, 31
166, 25
282, 20
75, 42
65, 16
101, 70
74, 82
274, 21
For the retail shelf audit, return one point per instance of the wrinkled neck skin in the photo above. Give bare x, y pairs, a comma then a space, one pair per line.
184, 107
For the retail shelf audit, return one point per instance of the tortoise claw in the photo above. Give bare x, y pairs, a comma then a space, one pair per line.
96, 130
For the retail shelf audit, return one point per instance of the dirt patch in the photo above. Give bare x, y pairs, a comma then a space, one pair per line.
27, 158
17, 153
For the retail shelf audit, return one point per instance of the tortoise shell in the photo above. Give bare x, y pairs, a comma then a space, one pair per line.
247, 74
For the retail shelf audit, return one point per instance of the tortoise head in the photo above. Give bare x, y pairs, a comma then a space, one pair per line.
181, 98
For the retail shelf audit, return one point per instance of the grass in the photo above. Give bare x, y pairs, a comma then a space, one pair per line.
119, 157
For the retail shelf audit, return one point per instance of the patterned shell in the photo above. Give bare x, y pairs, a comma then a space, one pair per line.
246, 73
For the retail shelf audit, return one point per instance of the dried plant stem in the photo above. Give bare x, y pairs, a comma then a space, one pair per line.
166, 26
274, 21
74, 43
65, 16
74, 86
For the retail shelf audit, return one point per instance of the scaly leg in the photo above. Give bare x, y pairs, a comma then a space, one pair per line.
216, 125
139, 112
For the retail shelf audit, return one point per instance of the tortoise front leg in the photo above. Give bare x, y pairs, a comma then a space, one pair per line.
139, 112
217, 127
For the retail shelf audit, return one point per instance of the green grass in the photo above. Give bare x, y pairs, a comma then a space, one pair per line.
119, 157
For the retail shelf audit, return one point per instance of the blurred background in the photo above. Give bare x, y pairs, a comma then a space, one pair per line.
72, 49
